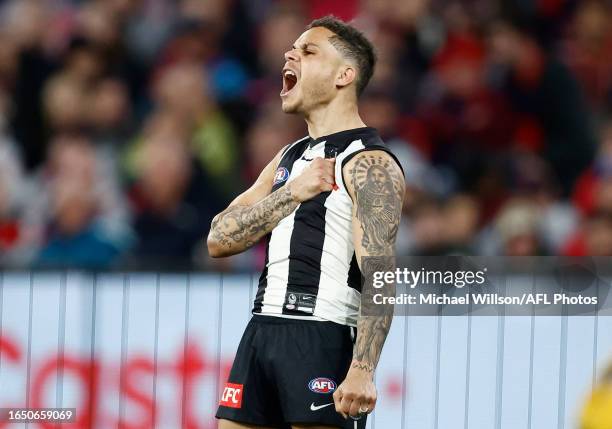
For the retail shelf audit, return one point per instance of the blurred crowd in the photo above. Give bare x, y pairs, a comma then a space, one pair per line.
126, 125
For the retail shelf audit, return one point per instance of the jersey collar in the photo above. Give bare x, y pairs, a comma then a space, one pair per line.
342, 139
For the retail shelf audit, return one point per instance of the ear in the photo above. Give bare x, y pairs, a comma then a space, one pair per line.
346, 76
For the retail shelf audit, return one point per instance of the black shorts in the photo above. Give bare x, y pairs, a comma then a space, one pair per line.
286, 371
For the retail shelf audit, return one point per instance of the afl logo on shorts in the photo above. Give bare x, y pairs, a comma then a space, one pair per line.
322, 385
281, 175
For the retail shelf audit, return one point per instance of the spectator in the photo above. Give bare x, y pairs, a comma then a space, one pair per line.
64, 103
588, 49
171, 201
461, 114
82, 62
109, 115
182, 89
462, 219
517, 226
75, 232
427, 228
542, 88
533, 180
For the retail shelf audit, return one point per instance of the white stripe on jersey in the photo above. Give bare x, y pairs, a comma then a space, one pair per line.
337, 253
278, 265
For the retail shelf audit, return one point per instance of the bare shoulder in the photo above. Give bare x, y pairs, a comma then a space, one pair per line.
373, 171
375, 182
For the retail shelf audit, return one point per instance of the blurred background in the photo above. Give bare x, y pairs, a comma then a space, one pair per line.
126, 125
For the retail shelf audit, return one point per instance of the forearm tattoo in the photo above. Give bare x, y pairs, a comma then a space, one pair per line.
242, 226
372, 329
379, 192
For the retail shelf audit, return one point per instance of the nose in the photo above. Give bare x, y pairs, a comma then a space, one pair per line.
290, 55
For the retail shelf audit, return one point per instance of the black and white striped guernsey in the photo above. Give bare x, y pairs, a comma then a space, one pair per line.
311, 270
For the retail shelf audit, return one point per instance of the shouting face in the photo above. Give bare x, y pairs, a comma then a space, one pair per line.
314, 71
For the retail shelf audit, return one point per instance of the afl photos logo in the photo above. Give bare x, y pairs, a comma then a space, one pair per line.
322, 385
281, 175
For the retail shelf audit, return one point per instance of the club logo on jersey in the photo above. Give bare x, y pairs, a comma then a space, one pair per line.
281, 175
231, 396
322, 385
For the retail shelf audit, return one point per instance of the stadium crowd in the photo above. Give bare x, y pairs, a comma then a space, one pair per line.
126, 125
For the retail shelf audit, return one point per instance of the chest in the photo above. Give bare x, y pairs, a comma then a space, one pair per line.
334, 207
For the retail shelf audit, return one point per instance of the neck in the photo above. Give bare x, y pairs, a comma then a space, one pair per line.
338, 115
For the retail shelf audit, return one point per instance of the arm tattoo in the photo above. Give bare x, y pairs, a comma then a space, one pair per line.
379, 192
242, 226
372, 329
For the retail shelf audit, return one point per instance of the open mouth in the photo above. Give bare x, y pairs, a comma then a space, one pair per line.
289, 81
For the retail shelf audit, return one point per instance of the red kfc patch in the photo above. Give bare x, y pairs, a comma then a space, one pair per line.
231, 396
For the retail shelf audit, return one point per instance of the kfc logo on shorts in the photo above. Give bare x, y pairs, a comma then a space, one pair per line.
281, 175
231, 396
322, 385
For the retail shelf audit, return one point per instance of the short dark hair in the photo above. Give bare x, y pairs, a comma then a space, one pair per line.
352, 44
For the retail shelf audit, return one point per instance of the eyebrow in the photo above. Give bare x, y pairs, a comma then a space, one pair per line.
305, 45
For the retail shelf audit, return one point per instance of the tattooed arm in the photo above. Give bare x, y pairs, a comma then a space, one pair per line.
239, 227
377, 187
258, 210
376, 184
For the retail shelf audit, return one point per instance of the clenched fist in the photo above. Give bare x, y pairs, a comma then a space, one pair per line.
356, 395
316, 178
